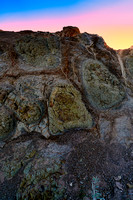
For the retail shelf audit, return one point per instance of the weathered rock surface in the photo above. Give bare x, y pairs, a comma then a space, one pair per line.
66, 122
66, 110
102, 88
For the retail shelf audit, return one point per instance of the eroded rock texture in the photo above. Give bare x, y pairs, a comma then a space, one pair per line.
66, 110
103, 89
66, 122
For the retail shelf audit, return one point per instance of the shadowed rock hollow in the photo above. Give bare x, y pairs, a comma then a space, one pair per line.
66, 122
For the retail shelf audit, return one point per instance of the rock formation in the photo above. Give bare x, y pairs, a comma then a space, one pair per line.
66, 104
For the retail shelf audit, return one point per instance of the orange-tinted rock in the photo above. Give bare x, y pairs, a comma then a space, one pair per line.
70, 31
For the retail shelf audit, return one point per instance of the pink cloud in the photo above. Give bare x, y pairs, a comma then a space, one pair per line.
120, 14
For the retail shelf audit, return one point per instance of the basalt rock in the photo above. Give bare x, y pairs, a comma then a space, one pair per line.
127, 59
39, 51
66, 110
69, 31
66, 104
102, 88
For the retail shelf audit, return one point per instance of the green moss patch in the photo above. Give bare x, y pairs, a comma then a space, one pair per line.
29, 112
66, 110
39, 51
102, 88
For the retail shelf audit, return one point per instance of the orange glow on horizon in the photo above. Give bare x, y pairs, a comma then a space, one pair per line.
113, 23
115, 37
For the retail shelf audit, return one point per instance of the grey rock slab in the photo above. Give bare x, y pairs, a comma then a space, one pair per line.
123, 130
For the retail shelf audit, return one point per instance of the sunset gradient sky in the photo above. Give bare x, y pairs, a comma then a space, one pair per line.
112, 19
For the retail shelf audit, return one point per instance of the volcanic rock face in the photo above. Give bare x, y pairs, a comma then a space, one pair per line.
103, 88
66, 110
65, 116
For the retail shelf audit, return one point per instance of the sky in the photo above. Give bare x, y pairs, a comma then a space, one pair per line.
111, 19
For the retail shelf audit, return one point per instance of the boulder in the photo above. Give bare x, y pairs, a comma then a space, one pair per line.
66, 110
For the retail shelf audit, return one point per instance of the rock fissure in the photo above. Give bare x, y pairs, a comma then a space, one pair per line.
122, 68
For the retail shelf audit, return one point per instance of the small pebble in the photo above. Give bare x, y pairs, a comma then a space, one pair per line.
118, 178
119, 185
71, 184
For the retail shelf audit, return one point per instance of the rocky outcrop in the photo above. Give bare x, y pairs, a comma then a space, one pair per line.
66, 110
65, 116
69, 31
102, 88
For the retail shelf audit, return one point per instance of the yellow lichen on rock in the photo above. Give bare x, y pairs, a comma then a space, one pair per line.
102, 88
66, 110
29, 112
39, 51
